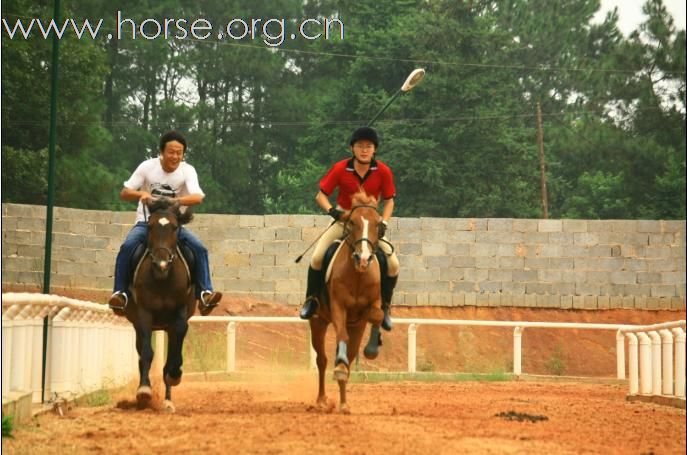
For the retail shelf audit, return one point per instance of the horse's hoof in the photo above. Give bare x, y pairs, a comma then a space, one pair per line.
143, 396
168, 407
170, 381
341, 373
371, 353
343, 409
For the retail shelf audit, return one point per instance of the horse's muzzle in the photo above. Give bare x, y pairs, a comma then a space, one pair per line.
362, 262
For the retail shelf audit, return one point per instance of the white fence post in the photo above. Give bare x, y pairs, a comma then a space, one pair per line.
655, 362
667, 354
7, 336
412, 346
231, 347
517, 351
620, 354
633, 363
679, 362
644, 363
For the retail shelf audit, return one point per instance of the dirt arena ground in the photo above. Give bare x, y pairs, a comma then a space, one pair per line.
270, 407
279, 417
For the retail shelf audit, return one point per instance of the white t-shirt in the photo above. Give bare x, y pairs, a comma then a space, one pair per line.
149, 176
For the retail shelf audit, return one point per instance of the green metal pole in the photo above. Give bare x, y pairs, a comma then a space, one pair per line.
51, 187
391, 100
51, 154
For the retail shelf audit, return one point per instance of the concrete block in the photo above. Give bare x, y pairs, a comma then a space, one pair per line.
482, 299
661, 239
409, 224
678, 252
675, 278
460, 237
490, 286
574, 251
433, 248
561, 238
500, 224
463, 261
409, 248
422, 298
426, 274
586, 238
442, 262
458, 299
301, 221
494, 299
649, 226
615, 301
460, 249
550, 251
658, 252
290, 233
537, 288
258, 260
287, 286
276, 220
662, 265
513, 288
433, 224
440, 299
590, 302
250, 221
450, 274
535, 238
629, 302
624, 225
564, 288
407, 236
537, 263
470, 299
517, 300
586, 289
664, 303
623, 277
603, 251
663, 291
486, 262
561, 263
234, 259
500, 275
549, 276
652, 303
485, 249
611, 265
550, 226
599, 277
506, 262
603, 302
566, 302
263, 234
677, 303
68, 240
465, 287
575, 226
530, 300
635, 265
277, 248
524, 275
525, 226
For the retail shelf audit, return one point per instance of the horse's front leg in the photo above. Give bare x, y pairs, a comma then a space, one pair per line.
318, 331
172, 370
341, 362
144, 332
375, 318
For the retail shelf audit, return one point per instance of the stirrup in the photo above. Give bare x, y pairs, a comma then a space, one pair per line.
115, 302
309, 307
206, 306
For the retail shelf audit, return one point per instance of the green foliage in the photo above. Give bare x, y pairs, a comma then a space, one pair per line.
7, 426
555, 364
264, 124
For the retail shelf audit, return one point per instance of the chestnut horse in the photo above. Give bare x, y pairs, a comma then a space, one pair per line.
353, 296
163, 297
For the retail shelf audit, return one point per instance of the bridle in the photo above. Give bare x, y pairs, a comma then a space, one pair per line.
171, 254
347, 233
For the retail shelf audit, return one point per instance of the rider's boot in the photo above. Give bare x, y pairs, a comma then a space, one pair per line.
118, 302
208, 301
388, 285
312, 293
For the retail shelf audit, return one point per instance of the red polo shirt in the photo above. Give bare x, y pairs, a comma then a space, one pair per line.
379, 181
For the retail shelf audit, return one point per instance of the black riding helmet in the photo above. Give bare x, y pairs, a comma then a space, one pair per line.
365, 132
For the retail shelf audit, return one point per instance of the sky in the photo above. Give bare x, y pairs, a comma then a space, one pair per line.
630, 12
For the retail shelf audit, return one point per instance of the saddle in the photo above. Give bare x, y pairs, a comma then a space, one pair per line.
183, 251
328, 260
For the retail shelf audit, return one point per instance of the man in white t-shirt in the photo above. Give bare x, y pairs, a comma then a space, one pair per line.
166, 175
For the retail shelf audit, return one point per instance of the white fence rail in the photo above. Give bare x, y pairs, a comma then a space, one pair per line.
87, 347
648, 383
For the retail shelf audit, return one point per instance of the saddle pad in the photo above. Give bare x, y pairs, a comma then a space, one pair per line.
183, 260
331, 261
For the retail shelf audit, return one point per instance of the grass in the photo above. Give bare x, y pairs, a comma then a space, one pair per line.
7, 426
100, 397
555, 365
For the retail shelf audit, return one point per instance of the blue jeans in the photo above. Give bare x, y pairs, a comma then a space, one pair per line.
137, 235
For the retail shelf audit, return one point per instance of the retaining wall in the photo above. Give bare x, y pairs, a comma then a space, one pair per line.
590, 264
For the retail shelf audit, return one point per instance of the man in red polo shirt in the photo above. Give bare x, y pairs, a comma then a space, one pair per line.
348, 175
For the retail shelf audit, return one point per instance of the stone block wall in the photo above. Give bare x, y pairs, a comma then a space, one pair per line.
589, 264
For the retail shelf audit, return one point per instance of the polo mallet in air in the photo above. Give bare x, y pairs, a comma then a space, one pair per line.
411, 81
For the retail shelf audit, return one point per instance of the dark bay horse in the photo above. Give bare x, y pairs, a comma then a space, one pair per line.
353, 294
163, 297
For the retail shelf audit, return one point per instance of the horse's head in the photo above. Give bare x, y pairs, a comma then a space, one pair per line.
362, 223
163, 230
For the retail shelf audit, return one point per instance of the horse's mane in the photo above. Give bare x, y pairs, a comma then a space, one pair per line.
165, 203
362, 198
